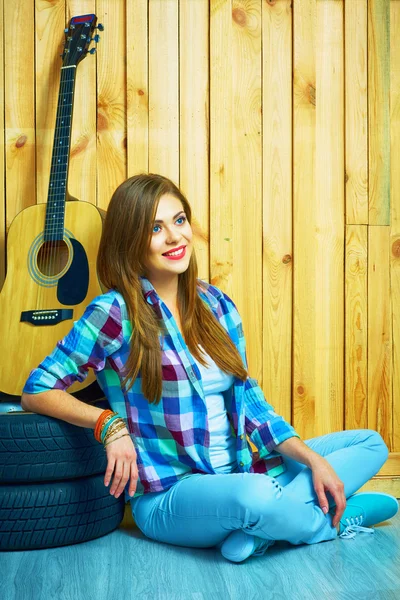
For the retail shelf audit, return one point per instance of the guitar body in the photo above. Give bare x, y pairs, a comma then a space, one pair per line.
48, 285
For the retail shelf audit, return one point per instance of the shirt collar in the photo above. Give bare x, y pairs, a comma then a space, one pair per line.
149, 292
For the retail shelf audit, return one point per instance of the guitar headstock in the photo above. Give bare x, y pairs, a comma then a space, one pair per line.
78, 36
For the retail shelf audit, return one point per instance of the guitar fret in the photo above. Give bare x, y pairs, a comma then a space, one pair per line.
55, 211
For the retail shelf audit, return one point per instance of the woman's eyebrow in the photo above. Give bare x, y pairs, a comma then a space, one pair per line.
174, 217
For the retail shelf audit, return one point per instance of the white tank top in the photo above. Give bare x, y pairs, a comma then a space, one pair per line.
222, 440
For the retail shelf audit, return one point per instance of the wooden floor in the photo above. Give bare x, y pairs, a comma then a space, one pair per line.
125, 565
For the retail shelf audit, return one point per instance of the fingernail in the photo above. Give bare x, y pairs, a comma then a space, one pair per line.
324, 510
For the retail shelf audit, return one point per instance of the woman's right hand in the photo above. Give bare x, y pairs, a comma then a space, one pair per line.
121, 455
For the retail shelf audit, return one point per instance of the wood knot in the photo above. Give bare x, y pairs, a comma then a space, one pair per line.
286, 259
102, 110
300, 390
140, 93
102, 121
396, 249
311, 94
239, 16
21, 141
80, 146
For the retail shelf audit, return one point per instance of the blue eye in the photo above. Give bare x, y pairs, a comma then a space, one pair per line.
180, 221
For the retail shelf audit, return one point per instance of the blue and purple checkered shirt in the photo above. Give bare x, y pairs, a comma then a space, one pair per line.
172, 438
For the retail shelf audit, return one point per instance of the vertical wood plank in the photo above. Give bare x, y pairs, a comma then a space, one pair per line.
19, 107
247, 174
395, 212
379, 334
137, 87
82, 163
378, 111
164, 89
356, 318
277, 204
111, 100
304, 217
356, 80
49, 26
221, 106
322, 333
2, 156
329, 258
194, 121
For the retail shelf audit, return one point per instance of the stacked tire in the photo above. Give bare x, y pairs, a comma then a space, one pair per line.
52, 490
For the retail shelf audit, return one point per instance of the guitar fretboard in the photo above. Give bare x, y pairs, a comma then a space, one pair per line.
55, 210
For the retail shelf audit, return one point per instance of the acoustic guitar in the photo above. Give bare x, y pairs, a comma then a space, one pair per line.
51, 247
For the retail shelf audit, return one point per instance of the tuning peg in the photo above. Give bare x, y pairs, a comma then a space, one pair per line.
92, 50
100, 27
96, 38
66, 30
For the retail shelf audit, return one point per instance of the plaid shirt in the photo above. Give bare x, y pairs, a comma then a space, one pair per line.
172, 438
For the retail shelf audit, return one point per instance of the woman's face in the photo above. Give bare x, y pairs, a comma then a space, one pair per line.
171, 233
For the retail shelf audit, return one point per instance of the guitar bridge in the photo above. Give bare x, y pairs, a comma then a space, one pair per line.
46, 317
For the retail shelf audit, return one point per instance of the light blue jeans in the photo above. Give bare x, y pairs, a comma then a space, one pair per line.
200, 511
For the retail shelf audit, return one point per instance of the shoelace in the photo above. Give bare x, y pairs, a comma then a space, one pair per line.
261, 546
353, 527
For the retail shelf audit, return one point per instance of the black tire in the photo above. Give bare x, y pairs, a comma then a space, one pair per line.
35, 448
48, 515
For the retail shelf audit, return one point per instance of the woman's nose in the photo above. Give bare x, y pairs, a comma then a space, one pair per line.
172, 235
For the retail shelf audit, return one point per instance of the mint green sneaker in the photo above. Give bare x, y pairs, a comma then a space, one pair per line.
363, 510
240, 545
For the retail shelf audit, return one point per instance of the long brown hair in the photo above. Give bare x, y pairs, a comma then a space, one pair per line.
123, 249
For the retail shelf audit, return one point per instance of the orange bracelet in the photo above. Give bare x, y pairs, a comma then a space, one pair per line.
100, 422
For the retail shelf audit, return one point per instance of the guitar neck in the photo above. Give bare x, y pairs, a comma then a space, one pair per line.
55, 210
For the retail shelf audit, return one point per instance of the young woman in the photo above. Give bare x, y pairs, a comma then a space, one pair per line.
168, 350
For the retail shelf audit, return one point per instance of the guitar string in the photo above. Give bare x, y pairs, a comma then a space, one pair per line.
56, 178
53, 250
60, 174
63, 156
47, 253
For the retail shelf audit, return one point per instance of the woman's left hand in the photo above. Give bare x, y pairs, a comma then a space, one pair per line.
326, 480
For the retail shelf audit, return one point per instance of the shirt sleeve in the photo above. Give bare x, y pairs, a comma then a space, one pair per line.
94, 337
265, 428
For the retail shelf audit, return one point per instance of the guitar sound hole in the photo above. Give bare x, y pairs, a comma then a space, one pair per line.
52, 257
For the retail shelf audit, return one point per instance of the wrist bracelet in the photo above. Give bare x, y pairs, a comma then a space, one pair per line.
100, 421
115, 428
118, 438
108, 424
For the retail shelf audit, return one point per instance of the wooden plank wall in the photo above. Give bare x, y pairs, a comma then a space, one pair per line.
280, 120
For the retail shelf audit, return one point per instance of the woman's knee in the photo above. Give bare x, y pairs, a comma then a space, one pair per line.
255, 490
377, 443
